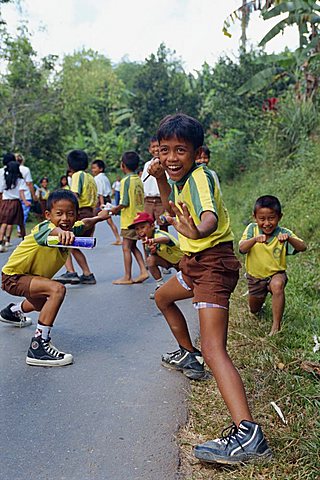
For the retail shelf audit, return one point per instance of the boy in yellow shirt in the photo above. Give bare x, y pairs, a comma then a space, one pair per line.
85, 189
209, 272
131, 202
266, 246
30, 268
162, 249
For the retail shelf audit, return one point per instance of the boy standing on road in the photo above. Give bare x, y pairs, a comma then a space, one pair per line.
209, 274
30, 268
131, 202
84, 187
162, 249
266, 246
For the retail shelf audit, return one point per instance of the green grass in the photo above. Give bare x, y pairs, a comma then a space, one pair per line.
271, 366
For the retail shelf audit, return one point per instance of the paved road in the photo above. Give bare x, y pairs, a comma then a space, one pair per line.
112, 415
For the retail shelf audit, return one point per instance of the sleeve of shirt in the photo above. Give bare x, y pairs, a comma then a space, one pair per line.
248, 232
78, 228
77, 182
290, 250
27, 177
41, 232
203, 198
124, 192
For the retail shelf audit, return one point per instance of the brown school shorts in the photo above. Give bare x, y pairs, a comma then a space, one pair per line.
19, 286
86, 212
212, 274
259, 287
129, 233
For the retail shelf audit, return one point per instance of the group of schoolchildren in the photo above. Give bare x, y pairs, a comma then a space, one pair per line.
207, 269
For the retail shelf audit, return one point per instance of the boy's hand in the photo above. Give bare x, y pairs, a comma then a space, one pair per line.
151, 244
261, 238
104, 214
66, 237
156, 169
283, 237
185, 225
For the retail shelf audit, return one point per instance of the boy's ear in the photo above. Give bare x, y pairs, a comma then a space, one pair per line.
47, 214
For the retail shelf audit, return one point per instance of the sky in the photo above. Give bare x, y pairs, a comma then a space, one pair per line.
133, 29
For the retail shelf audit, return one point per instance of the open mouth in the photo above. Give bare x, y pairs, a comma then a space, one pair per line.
174, 169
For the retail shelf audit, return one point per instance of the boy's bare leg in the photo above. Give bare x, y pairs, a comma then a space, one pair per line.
153, 262
55, 293
144, 275
255, 304
115, 231
127, 260
276, 287
213, 331
2, 231
69, 265
165, 298
81, 260
9, 232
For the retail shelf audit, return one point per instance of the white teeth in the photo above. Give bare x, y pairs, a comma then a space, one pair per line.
173, 167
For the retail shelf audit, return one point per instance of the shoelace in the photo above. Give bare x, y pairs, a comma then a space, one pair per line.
20, 317
174, 354
51, 349
231, 435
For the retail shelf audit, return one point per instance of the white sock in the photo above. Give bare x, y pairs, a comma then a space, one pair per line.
160, 282
42, 331
17, 307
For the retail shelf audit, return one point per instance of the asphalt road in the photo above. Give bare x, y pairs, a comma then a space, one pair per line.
114, 413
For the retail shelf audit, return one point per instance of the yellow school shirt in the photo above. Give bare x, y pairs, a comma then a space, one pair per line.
168, 251
84, 185
265, 259
34, 257
132, 197
199, 192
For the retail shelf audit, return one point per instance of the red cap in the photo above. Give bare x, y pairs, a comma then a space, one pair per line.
142, 217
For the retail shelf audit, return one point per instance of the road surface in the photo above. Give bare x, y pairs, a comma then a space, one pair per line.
114, 413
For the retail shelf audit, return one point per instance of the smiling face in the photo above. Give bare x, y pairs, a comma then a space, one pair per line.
203, 159
144, 229
154, 148
267, 220
95, 169
177, 156
63, 214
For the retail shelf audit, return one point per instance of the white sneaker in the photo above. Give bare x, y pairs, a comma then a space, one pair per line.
3, 248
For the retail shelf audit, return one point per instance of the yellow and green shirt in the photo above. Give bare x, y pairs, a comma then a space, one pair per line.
84, 185
34, 257
131, 197
199, 192
265, 259
168, 251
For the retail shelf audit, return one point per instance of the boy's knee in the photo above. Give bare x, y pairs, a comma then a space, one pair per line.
151, 261
161, 300
277, 288
58, 289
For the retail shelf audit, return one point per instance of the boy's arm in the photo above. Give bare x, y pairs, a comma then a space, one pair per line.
88, 223
246, 245
156, 241
297, 243
156, 170
186, 225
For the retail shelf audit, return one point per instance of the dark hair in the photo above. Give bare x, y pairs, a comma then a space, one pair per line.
182, 127
131, 160
154, 138
65, 177
8, 157
267, 201
100, 164
11, 174
62, 194
78, 160
44, 178
206, 150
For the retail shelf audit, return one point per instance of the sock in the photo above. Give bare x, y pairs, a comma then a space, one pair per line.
160, 282
42, 331
17, 307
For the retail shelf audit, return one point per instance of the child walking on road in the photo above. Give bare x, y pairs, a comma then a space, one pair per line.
131, 202
30, 268
209, 274
266, 246
12, 187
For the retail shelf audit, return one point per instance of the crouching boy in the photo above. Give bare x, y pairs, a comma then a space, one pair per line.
30, 268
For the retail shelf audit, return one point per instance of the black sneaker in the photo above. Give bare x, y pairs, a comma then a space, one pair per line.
42, 353
243, 444
68, 277
190, 363
14, 318
88, 279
